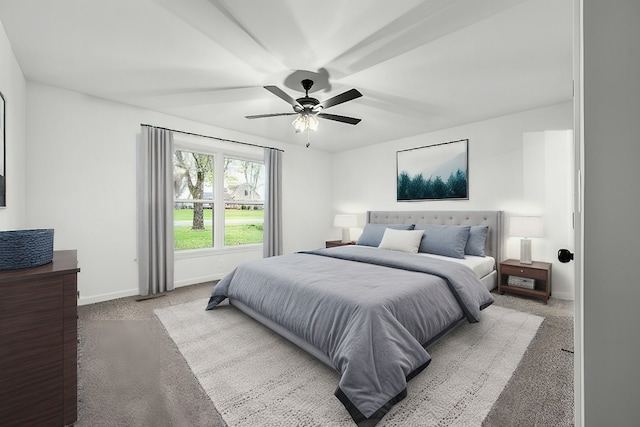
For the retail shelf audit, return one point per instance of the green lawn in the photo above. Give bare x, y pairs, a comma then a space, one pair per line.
235, 234
243, 234
186, 238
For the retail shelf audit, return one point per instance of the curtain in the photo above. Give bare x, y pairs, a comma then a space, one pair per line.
272, 203
155, 211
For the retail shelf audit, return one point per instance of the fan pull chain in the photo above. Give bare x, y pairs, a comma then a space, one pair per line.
308, 137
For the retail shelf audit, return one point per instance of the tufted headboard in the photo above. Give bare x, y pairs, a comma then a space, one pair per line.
493, 219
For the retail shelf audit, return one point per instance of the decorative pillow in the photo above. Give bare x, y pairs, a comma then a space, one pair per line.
447, 240
401, 240
477, 240
372, 233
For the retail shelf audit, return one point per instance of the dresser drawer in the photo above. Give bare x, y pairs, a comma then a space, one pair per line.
532, 273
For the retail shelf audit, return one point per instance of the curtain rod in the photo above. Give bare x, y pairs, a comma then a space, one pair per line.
210, 137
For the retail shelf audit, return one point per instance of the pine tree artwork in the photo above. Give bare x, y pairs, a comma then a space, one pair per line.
433, 172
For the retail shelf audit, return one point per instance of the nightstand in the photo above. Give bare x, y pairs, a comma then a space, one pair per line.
540, 272
334, 243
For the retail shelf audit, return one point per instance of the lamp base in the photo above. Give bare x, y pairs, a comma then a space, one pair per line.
525, 251
346, 235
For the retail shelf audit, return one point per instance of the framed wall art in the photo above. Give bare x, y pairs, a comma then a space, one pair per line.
434, 172
3, 152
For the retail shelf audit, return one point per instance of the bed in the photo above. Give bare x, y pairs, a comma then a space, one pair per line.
371, 310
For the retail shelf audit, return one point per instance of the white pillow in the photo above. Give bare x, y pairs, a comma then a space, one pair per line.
401, 240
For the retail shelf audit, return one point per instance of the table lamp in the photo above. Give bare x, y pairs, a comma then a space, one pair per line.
345, 222
525, 227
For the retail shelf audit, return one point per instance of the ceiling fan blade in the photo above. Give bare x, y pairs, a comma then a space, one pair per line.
339, 99
282, 95
260, 116
342, 119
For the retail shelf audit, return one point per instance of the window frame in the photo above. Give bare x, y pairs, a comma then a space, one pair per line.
219, 150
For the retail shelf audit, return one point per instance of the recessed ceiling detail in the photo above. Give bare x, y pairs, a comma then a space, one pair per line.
422, 65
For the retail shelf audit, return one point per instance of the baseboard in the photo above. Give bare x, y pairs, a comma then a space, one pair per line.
197, 280
133, 292
106, 297
563, 295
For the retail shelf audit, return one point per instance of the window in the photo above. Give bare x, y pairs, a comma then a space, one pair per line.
218, 200
244, 202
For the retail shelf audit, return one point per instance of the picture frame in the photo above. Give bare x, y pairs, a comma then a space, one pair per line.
3, 152
433, 172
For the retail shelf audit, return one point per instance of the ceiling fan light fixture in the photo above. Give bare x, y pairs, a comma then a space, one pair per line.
305, 122
307, 109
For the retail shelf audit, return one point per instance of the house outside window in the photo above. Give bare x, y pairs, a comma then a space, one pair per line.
218, 200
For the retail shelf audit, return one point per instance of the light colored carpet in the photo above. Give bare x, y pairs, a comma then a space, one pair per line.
255, 377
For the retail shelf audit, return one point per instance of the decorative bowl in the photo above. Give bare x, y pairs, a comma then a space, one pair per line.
25, 248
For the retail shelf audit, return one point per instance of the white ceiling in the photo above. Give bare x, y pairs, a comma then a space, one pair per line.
421, 65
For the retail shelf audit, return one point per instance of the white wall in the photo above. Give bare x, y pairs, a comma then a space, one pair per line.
611, 132
82, 182
547, 191
13, 88
365, 179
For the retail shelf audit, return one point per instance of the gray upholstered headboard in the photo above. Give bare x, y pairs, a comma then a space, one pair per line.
493, 219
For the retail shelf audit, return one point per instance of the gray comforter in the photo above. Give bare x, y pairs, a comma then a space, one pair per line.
371, 311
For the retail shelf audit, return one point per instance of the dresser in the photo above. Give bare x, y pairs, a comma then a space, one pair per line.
39, 343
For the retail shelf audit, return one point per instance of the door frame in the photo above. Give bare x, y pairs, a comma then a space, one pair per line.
578, 212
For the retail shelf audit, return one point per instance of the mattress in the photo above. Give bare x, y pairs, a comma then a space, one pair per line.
481, 266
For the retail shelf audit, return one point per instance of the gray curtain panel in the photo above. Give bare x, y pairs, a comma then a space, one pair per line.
155, 211
273, 203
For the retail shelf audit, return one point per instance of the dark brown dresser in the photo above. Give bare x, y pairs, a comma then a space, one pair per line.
39, 343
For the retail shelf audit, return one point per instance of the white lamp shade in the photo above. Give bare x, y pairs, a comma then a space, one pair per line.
526, 226
304, 122
345, 221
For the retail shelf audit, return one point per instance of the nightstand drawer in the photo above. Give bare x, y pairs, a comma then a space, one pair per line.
532, 273
335, 243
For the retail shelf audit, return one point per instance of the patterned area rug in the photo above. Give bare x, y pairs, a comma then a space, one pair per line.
255, 377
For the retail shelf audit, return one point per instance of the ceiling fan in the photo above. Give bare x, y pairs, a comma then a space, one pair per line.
308, 108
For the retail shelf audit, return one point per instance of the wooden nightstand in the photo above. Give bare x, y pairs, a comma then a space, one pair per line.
334, 243
539, 271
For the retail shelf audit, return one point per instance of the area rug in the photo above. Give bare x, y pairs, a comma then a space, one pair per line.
254, 377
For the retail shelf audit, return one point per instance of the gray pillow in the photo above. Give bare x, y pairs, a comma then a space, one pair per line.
477, 240
372, 233
447, 240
